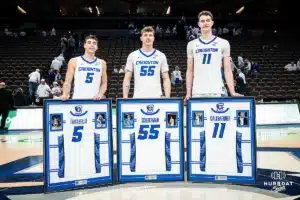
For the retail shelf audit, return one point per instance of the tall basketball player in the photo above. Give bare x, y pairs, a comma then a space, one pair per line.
148, 65
204, 61
89, 72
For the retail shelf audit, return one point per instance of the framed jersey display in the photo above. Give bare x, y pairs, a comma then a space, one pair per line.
150, 140
221, 140
77, 144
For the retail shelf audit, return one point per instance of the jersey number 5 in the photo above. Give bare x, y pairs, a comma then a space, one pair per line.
206, 58
77, 134
216, 130
89, 77
147, 70
152, 134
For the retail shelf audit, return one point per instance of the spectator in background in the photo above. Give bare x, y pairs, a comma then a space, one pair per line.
240, 61
247, 66
57, 76
53, 32
56, 91
225, 31
176, 77
61, 58
34, 79
6, 103
241, 83
22, 33
291, 67
298, 64
115, 69
233, 67
19, 97
254, 69
42, 92
56, 64
174, 31
63, 44
241, 75
122, 69
71, 45
44, 33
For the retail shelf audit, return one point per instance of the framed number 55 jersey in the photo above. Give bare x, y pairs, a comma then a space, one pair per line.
221, 140
150, 140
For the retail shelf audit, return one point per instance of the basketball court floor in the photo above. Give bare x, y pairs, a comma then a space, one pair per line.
21, 176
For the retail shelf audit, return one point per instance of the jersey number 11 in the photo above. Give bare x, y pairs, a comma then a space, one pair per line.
206, 58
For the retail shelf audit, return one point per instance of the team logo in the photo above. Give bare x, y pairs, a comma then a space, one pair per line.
150, 110
278, 182
220, 108
214, 43
78, 112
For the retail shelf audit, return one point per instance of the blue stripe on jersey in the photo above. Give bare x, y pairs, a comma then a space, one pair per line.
97, 152
168, 151
239, 157
209, 41
132, 152
153, 52
61, 156
202, 151
88, 61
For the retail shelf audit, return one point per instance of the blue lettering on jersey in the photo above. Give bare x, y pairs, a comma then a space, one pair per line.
145, 133
147, 70
77, 133
146, 62
216, 130
89, 69
206, 50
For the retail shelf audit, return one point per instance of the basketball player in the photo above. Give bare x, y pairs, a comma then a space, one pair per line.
204, 58
171, 121
147, 64
89, 72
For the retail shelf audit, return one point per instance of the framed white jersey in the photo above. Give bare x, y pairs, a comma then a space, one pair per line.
221, 140
77, 144
150, 140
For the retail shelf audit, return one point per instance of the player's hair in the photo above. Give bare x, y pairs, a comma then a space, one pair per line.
91, 37
206, 13
147, 29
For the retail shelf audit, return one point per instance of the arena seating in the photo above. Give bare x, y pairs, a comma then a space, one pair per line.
19, 57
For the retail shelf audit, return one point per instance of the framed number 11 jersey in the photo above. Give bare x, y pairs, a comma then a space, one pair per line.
221, 140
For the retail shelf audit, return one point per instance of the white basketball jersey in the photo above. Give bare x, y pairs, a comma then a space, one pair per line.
147, 68
221, 132
79, 156
87, 78
151, 144
208, 56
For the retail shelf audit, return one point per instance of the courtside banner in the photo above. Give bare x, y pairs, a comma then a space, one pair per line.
150, 140
221, 140
77, 144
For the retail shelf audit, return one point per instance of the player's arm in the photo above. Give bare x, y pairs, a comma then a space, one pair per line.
227, 69
103, 86
128, 75
69, 79
166, 84
165, 76
189, 71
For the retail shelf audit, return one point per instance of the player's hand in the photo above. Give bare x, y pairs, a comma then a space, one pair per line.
236, 95
187, 97
64, 97
99, 97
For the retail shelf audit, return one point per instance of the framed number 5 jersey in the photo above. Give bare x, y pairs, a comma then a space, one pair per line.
221, 140
150, 140
77, 144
